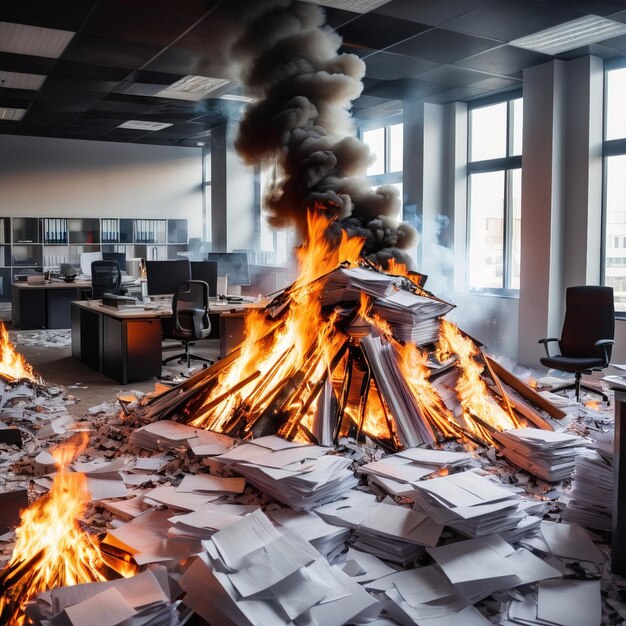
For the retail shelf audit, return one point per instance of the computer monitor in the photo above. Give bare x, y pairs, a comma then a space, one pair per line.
86, 259
233, 265
206, 271
163, 277
120, 257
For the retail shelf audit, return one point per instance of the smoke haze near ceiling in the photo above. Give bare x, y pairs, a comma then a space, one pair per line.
288, 59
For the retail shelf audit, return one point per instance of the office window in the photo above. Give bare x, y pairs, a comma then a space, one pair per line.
387, 144
614, 201
275, 243
494, 197
206, 194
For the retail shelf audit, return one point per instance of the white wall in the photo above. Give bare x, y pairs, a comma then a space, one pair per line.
42, 176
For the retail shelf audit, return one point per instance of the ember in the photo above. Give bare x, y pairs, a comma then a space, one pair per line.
51, 549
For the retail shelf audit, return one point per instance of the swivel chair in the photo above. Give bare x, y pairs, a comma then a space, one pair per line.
190, 310
586, 338
106, 277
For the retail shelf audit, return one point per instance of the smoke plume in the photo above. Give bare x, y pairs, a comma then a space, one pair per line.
300, 122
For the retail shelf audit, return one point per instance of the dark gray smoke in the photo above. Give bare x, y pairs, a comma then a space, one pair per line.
289, 61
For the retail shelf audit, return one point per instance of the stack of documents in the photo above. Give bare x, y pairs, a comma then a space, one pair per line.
324, 537
398, 473
591, 498
165, 435
544, 453
204, 522
469, 503
396, 533
252, 573
143, 600
347, 285
301, 476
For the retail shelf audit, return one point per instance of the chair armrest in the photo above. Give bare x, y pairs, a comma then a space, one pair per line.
545, 343
604, 344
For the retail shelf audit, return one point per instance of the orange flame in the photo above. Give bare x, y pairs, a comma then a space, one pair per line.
49, 533
471, 389
12, 364
306, 339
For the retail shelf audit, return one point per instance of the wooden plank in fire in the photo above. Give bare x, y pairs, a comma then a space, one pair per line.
527, 393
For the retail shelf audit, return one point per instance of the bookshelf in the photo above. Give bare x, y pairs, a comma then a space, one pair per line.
35, 244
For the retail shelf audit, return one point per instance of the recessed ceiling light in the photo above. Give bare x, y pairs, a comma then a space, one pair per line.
356, 6
193, 88
141, 125
17, 80
33, 40
574, 34
11, 115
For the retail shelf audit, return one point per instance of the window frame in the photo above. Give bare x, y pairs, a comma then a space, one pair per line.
610, 148
505, 164
387, 177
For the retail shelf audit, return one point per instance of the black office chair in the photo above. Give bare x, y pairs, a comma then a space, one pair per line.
106, 277
190, 310
587, 336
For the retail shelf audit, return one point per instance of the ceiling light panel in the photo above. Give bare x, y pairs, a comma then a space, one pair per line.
33, 40
141, 125
193, 88
570, 35
17, 80
356, 6
11, 115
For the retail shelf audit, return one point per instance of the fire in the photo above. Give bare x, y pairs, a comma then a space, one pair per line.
55, 550
13, 366
592, 404
471, 389
299, 351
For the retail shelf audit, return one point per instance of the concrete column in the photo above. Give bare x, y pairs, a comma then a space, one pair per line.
233, 217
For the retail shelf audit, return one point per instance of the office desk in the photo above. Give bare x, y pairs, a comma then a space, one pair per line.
124, 344
46, 305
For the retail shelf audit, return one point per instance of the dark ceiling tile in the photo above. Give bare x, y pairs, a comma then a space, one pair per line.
497, 84
367, 102
459, 93
409, 88
48, 118
113, 21
509, 19
504, 60
373, 114
388, 66
619, 43
620, 16
378, 31
67, 105
9, 100
432, 12
23, 94
443, 46
59, 14
73, 69
26, 63
191, 8
338, 17
452, 75
63, 84
109, 52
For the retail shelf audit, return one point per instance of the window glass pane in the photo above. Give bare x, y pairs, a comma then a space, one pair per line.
486, 224
515, 208
616, 104
517, 113
488, 132
208, 234
375, 140
207, 166
396, 142
266, 234
615, 252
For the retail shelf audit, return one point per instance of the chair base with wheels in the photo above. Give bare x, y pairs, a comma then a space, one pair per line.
577, 386
187, 356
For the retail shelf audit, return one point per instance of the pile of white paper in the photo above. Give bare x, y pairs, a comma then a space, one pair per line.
591, 498
471, 504
142, 600
398, 473
544, 453
207, 520
252, 573
165, 435
300, 475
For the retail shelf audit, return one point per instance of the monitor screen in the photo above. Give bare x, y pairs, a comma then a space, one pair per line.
163, 277
206, 271
233, 265
120, 257
86, 258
